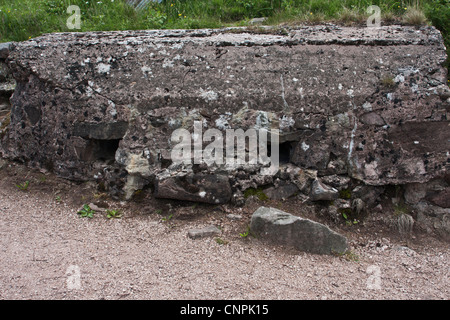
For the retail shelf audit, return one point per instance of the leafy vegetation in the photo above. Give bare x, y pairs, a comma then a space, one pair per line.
345, 194
259, 193
23, 186
348, 216
221, 241
113, 214
247, 233
86, 212
168, 218
401, 208
387, 82
349, 256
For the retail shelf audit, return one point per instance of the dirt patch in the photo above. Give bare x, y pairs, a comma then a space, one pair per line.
49, 252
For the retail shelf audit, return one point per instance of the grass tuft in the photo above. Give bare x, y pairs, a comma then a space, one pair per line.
414, 17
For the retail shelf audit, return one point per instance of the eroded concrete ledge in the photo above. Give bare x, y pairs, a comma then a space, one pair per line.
352, 104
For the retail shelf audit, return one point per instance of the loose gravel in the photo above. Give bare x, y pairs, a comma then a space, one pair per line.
49, 252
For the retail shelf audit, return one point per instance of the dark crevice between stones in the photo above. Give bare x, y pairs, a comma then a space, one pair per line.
100, 150
285, 151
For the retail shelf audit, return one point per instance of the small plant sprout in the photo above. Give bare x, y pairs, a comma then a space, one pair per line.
58, 199
86, 211
246, 233
113, 214
23, 186
221, 241
348, 220
350, 256
168, 218
387, 81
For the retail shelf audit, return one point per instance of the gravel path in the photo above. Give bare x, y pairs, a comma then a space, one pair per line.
48, 252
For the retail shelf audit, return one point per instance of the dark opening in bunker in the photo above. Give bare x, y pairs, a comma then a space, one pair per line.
100, 150
285, 151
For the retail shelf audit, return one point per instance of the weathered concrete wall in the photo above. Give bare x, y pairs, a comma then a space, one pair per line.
351, 104
7, 85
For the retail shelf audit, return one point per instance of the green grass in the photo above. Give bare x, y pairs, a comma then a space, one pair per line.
259, 193
23, 186
24, 19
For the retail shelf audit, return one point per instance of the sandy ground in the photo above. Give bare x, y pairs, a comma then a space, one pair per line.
48, 252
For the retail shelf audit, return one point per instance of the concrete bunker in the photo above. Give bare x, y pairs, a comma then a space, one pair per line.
106, 103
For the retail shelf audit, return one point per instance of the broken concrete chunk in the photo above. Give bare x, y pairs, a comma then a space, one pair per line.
440, 198
320, 191
207, 188
281, 192
232, 216
208, 231
257, 21
336, 181
4, 49
286, 229
372, 119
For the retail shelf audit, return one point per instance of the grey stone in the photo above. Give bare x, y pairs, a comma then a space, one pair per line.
443, 91
302, 178
4, 49
208, 231
7, 88
286, 229
440, 198
414, 192
320, 191
372, 119
336, 181
238, 198
232, 216
369, 194
207, 188
96, 208
257, 21
343, 203
133, 184
435, 191
408, 251
433, 219
358, 206
4, 107
282, 191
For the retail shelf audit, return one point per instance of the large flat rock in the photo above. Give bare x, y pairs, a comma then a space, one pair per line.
283, 228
